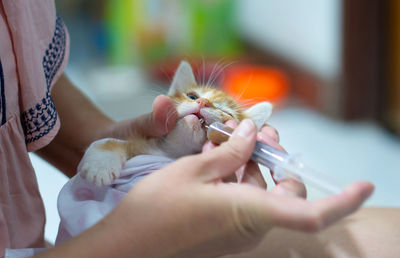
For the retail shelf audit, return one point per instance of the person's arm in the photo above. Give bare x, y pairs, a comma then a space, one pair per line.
82, 123
185, 209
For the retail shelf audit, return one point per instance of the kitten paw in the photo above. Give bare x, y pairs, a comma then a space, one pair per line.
100, 167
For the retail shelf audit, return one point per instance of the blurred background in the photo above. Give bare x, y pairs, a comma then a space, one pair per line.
329, 66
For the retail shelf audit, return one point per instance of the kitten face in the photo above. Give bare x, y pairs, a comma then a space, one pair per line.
207, 104
198, 106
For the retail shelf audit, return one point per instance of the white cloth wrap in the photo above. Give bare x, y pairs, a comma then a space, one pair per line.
82, 204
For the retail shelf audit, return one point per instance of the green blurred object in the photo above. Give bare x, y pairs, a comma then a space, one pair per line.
147, 31
212, 28
124, 18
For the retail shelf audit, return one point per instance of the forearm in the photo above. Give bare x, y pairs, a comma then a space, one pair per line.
125, 232
81, 123
101, 240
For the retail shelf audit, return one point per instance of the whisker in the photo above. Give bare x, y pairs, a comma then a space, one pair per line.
169, 115
246, 87
204, 69
198, 74
252, 101
157, 91
213, 71
215, 68
168, 76
222, 70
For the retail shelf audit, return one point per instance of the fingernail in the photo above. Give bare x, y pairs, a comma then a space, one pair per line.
245, 128
369, 190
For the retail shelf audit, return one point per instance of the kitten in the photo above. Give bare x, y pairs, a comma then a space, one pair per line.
196, 105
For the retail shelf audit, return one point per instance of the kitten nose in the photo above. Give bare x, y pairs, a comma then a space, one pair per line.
203, 102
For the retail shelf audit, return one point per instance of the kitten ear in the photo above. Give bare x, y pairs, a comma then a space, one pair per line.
259, 113
183, 78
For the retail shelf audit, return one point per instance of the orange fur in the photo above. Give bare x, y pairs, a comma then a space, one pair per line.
116, 147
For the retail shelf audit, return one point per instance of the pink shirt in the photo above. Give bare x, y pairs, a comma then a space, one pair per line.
34, 47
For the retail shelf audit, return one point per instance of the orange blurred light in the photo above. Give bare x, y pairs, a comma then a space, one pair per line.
252, 84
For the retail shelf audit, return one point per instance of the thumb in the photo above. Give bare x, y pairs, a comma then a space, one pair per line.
225, 159
164, 116
160, 121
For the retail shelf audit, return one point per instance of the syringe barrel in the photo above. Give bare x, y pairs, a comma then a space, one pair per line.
283, 164
272, 158
218, 132
263, 154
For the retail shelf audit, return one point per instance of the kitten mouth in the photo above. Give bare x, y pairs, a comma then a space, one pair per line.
201, 118
202, 121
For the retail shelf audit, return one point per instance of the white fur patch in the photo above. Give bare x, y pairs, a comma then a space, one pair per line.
205, 93
186, 108
187, 138
260, 113
99, 166
182, 79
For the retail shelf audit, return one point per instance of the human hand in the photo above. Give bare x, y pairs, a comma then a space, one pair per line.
155, 124
186, 210
250, 172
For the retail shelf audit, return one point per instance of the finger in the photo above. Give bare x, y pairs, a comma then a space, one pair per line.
240, 176
231, 123
235, 177
160, 121
290, 187
225, 159
164, 114
270, 132
264, 136
209, 145
313, 216
252, 175
346, 202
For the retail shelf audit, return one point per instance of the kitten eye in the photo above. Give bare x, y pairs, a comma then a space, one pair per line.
226, 112
192, 95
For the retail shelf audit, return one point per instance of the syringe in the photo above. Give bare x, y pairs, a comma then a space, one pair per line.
283, 164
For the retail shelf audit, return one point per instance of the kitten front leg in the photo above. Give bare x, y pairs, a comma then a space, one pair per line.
103, 161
